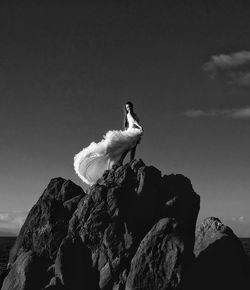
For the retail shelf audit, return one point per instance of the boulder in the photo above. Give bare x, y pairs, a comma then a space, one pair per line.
114, 217
160, 259
73, 266
47, 222
72, 240
221, 262
24, 273
40, 237
135, 229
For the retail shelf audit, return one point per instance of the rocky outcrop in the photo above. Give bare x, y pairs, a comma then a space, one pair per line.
111, 221
45, 227
134, 229
160, 260
24, 273
221, 262
88, 241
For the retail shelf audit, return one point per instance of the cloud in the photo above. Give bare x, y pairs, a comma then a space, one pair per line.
12, 220
236, 113
241, 79
4, 216
234, 68
195, 113
225, 61
240, 225
243, 113
241, 219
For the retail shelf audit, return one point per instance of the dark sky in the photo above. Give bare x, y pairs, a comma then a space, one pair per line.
66, 70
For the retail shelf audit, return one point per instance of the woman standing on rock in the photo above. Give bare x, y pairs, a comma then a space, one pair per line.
92, 161
130, 121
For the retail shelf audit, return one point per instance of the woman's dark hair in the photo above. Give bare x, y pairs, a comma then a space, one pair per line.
130, 104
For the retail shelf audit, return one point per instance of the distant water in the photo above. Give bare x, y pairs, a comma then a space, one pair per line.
5, 245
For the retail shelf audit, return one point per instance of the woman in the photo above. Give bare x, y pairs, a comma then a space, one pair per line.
92, 161
130, 121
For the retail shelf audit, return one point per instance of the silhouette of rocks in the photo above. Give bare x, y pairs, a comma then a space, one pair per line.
160, 259
135, 229
220, 259
37, 244
24, 273
111, 221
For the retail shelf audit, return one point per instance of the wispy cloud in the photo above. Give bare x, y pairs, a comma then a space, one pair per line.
224, 61
195, 113
236, 113
234, 67
12, 220
240, 225
240, 219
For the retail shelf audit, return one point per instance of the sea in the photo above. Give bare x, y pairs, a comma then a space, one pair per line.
6, 244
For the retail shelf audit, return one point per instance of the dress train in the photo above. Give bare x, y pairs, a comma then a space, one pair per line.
92, 161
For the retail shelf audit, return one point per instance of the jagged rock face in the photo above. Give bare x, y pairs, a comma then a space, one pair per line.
159, 260
41, 234
24, 273
47, 222
100, 240
133, 230
221, 262
114, 217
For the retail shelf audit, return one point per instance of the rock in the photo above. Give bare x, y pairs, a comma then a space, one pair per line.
135, 229
54, 284
160, 259
24, 273
47, 221
221, 262
77, 241
40, 237
115, 216
72, 264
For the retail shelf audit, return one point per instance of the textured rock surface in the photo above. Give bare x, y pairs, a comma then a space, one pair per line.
135, 229
41, 235
111, 221
47, 222
24, 273
160, 259
220, 259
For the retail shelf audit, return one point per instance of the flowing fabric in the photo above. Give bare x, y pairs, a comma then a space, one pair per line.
92, 161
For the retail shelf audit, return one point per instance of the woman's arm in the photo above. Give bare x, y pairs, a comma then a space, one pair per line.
136, 122
138, 125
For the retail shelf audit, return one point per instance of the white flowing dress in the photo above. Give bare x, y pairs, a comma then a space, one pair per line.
92, 161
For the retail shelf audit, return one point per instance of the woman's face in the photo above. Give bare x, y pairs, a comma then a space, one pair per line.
129, 108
